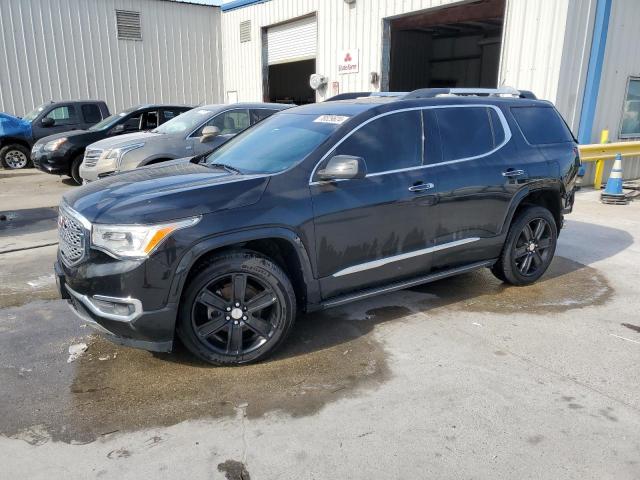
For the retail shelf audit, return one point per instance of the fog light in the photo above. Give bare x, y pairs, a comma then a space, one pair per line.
113, 308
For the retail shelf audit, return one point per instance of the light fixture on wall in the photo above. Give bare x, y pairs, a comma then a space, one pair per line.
317, 81
349, 2
374, 78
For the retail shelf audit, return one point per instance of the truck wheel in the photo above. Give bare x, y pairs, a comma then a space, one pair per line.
529, 248
74, 170
238, 308
14, 157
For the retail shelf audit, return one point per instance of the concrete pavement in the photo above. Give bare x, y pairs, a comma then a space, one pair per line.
463, 378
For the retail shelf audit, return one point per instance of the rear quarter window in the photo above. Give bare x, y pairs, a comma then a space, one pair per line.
541, 125
465, 132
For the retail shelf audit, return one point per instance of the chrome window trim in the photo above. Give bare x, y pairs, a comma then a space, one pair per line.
361, 267
503, 121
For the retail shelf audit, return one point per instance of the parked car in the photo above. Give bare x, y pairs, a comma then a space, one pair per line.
62, 153
17, 135
314, 207
180, 137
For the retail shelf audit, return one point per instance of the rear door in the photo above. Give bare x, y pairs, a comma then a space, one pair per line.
371, 231
476, 181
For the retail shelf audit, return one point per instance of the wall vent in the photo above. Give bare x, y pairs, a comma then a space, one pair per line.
245, 31
128, 24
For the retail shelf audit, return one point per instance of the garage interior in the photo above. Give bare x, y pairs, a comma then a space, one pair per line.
455, 46
289, 82
291, 60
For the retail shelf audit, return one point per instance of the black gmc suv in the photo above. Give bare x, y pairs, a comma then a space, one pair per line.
62, 153
314, 207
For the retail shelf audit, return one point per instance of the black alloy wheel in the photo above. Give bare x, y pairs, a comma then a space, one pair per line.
529, 247
240, 307
532, 247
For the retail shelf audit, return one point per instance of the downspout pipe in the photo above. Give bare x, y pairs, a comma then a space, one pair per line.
594, 72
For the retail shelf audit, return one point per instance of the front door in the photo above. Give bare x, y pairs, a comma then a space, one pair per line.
230, 123
379, 228
65, 118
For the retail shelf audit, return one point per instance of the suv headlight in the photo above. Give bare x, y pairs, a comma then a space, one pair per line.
134, 241
54, 145
115, 154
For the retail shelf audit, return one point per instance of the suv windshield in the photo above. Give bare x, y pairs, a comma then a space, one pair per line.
35, 112
186, 122
274, 144
111, 120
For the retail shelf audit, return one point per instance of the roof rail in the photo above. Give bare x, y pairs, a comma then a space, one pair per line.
354, 95
482, 92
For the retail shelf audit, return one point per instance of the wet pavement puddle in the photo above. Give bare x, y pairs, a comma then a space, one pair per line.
330, 355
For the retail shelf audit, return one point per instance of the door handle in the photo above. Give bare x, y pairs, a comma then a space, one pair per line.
421, 187
512, 173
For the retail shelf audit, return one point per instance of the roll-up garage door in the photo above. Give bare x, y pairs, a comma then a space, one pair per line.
292, 41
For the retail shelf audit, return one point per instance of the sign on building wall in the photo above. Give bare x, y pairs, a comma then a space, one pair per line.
349, 61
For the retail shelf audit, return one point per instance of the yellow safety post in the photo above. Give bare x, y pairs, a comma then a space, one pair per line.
597, 178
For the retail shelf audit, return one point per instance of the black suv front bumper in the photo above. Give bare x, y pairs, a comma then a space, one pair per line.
122, 320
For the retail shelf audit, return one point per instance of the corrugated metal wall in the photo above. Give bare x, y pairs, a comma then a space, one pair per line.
622, 60
68, 49
340, 26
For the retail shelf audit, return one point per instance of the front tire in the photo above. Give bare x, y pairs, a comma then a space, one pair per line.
238, 308
14, 157
529, 248
74, 170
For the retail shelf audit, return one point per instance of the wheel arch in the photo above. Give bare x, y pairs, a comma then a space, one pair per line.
548, 197
280, 244
6, 141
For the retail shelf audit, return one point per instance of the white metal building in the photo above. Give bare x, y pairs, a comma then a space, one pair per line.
125, 52
580, 54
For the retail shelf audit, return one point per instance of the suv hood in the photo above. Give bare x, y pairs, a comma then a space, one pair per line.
159, 193
127, 139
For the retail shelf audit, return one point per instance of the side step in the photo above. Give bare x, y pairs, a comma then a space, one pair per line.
352, 297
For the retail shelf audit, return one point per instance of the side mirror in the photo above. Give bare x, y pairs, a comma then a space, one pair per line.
48, 122
209, 133
117, 130
344, 167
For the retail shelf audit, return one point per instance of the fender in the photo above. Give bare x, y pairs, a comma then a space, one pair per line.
15, 140
205, 246
520, 196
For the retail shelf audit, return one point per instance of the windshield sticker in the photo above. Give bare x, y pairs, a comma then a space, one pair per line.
335, 119
203, 112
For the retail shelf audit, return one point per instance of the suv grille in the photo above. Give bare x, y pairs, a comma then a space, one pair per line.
72, 238
91, 156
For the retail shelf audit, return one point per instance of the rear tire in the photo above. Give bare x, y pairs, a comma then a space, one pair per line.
15, 157
238, 308
529, 248
74, 169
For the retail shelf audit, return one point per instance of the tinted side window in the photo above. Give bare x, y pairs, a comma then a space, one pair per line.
388, 143
169, 114
91, 113
464, 131
260, 114
65, 115
541, 125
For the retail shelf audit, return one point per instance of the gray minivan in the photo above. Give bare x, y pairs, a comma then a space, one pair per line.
197, 131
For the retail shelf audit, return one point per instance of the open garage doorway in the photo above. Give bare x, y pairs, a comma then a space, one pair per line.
290, 50
456, 46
